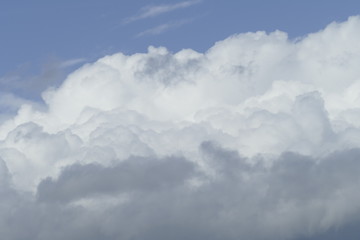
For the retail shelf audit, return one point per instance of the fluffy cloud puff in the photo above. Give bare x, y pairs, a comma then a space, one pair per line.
257, 138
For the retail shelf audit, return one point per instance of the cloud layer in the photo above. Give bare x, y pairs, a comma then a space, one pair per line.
257, 138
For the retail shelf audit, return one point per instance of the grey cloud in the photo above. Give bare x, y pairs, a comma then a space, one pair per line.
291, 199
135, 174
4, 175
309, 111
160, 66
348, 231
226, 162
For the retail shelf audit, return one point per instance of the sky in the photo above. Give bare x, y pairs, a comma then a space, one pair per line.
38, 31
188, 119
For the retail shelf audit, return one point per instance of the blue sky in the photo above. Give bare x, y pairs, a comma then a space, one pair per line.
36, 32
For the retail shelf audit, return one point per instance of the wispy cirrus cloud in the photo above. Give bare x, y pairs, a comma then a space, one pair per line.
71, 62
153, 11
163, 28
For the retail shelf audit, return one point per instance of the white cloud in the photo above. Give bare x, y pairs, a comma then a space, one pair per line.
153, 11
257, 138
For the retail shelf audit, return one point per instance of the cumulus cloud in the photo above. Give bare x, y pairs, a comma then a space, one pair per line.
257, 138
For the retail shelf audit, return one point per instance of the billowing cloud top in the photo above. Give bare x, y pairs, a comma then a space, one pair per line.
257, 138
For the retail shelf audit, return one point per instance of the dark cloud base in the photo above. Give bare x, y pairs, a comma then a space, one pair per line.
348, 231
234, 202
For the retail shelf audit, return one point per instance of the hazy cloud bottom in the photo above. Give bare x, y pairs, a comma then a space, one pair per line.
258, 138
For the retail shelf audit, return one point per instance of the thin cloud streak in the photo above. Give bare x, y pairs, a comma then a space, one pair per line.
71, 62
153, 11
163, 28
